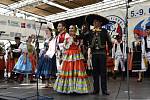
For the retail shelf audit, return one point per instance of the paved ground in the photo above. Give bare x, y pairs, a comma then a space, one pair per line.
118, 91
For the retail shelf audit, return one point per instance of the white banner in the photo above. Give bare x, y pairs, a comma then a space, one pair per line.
12, 26
139, 17
139, 10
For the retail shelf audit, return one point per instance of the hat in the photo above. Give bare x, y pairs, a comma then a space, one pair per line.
17, 38
73, 21
118, 37
90, 18
17, 35
147, 27
76, 21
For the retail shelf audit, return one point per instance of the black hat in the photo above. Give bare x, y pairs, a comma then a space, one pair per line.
17, 38
147, 27
118, 37
90, 18
73, 21
76, 21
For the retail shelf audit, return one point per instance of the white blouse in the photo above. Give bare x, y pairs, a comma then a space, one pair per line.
23, 47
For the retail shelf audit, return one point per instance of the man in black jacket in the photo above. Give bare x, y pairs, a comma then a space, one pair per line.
97, 51
15, 56
85, 37
85, 43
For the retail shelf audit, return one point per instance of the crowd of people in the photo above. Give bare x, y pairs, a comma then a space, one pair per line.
77, 61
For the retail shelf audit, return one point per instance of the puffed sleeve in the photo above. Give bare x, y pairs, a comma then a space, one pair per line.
143, 47
68, 41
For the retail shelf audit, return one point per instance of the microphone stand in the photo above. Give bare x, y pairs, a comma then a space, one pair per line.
126, 32
38, 96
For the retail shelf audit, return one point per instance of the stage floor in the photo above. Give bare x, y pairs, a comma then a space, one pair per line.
118, 91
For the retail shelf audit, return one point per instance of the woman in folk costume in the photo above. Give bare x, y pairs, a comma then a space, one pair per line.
27, 61
47, 59
32, 56
10, 60
73, 77
138, 64
23, 65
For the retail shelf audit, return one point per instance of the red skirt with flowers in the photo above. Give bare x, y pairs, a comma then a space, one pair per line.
110, 63
11, 63
73, 77
130, 57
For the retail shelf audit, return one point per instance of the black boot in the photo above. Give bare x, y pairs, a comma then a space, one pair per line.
123, 76
114, 75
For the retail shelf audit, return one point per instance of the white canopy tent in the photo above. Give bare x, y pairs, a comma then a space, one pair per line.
100, 5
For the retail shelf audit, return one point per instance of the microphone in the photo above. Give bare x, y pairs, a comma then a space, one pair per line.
42, 22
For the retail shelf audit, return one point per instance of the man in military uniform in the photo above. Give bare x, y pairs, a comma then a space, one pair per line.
97, 51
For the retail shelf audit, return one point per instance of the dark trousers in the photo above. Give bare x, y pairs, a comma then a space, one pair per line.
1, 74
99, 69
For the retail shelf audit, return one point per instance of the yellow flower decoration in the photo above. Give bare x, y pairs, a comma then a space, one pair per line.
96, 30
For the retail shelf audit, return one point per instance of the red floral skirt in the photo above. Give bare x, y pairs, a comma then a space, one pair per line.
110, 63
10, 65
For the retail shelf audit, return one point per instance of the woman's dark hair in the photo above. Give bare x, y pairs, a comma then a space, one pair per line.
74, 27
50, 31
86, 25
28, 38
63, 23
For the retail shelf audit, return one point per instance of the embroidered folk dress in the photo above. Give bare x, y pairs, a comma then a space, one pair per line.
73, 77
